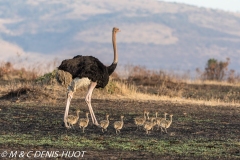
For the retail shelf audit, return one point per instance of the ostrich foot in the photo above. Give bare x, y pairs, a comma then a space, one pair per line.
63, 125
96, 124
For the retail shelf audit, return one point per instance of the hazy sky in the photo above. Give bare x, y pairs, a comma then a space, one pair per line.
227, 5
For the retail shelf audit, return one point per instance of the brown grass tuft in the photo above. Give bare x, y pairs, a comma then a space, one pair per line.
29, 92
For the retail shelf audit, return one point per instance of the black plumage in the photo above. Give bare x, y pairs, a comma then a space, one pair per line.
90, 67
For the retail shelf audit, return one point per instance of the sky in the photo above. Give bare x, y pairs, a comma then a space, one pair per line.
42, 31
227, 5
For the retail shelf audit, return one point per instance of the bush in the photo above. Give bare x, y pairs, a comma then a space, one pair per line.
216, 70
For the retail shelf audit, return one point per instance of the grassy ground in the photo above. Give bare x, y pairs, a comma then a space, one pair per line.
31, 120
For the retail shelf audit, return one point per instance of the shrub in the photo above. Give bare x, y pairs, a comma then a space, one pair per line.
216, 70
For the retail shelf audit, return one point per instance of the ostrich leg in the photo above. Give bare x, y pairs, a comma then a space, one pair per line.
69, 97
76, 83
88, 101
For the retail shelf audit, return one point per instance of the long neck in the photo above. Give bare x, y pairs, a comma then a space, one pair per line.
169, 122
122, 120
148, 116
165, 116
77, 114
152, 120
115, 60
113, 66
152, 123
87, 118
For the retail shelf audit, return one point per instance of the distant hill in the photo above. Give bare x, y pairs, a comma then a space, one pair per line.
155, 34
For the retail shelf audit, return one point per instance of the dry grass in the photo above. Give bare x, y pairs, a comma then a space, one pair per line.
32, 91
28, 92
143, 84
9, 72
123, 90
208, 82
130, 92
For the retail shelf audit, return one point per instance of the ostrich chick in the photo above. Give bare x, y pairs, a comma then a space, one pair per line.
104, 124
159, 120
149, 125
155, 120
118, 125
139, 121
83, 122
166, 124
71, 119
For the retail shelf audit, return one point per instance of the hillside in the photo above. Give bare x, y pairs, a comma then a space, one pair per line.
155, 34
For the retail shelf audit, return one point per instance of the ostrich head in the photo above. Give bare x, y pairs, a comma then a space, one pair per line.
115, 30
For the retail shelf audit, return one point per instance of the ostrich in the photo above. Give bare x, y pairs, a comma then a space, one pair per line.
71, 119
83, 122
88, 70
149, 125
159, 119
104, 123
166, 124
139, 121
118, 125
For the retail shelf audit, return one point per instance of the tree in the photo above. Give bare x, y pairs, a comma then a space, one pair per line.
216, 70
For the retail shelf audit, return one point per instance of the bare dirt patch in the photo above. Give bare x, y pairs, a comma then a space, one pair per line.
39, 127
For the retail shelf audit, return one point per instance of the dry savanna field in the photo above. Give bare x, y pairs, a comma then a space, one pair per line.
206, 120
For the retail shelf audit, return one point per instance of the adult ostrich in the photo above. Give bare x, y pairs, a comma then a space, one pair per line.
88, 70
